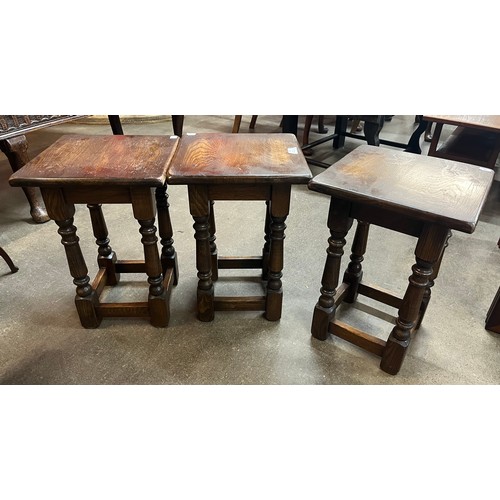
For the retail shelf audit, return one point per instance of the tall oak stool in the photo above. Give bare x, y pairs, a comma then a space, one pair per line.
239, 167
415, 195
110, 169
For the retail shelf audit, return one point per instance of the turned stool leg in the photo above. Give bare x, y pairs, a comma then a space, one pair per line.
144, 212
199, 206
106, 256
16, 150
354, 272
86, 300
428, 251
168, 253
427, 294
213, 246
339, 224
267, 243
279, 208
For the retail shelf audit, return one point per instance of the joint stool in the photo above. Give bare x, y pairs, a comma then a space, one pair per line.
110, 169
239, 167
415, 195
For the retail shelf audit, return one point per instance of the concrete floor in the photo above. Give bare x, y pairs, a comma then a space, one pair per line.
42, 341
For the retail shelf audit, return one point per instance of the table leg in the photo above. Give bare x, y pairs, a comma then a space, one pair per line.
16, 150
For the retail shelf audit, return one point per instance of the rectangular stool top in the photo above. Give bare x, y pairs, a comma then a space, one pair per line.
100, 160
422, 187
209, 158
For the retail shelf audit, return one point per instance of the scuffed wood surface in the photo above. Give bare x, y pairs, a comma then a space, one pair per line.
430, 189
243, 158
99, 160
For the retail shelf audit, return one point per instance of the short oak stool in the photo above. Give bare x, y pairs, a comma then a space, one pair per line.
239, 167
415, 195
110, 169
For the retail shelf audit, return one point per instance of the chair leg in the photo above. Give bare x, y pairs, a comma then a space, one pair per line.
321, 125
16, 151
178, 124
253, 121
7, 259
236, 124
307, 129
115, 124
356, 126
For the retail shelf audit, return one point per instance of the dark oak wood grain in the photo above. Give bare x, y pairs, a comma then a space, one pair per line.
208, 158
97, 160
13, 142
423, 197
429, 189
239, 167
110, 169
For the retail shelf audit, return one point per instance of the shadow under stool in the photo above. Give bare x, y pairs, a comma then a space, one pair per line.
239, 167
114, 169
419, 196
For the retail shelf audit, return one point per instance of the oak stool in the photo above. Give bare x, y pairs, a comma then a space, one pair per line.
217, 166
415, 195
110, 169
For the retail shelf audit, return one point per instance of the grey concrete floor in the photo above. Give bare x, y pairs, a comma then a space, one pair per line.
42, 341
